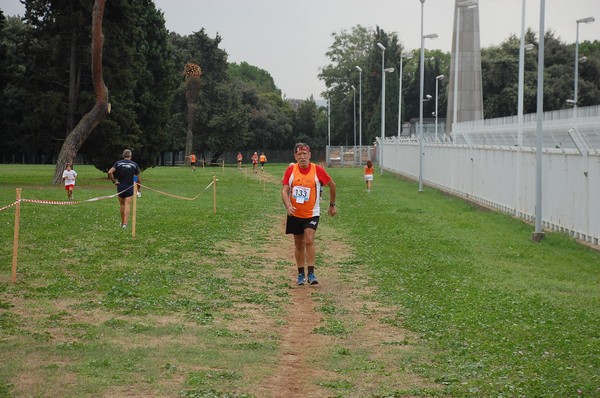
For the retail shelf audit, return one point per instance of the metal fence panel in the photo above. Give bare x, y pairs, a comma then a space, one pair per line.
503, 177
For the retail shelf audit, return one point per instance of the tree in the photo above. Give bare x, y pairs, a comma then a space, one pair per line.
13, 87
192, 74
256, 77
305, 127
86, 125
142, 71
348, 50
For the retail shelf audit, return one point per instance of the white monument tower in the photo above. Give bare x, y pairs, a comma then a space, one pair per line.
465, 68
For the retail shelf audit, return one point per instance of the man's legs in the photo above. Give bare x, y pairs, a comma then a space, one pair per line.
305, 253
124, 207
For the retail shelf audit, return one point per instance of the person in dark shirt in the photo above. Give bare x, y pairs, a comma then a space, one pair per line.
122, 175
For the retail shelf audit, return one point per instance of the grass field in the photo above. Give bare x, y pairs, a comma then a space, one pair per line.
422, 294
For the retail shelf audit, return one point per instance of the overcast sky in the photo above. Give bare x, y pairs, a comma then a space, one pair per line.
289, 38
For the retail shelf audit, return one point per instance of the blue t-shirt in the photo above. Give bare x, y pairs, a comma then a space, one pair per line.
126, 169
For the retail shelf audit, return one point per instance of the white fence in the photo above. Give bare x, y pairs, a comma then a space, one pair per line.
503, 177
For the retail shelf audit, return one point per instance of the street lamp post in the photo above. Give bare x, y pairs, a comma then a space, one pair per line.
521, 79
383, 72
382, 48
406, 56
459, 5
359, 115
328, 121
354, 115
386, 70
422, 88
437, 79
538, 234
576, 80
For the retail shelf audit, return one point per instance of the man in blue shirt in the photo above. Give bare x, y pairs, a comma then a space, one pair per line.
122, 174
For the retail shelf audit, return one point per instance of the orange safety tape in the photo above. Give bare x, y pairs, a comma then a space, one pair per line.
9, 206
50, 202
70, 202
176, 196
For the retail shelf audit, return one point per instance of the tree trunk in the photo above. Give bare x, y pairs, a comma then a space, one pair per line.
189, 139
90, 120
72, 81
192, 74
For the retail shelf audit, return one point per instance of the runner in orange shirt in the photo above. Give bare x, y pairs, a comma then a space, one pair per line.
239, 160
369, 174
262, 159
300, 194
254, 161
193, 161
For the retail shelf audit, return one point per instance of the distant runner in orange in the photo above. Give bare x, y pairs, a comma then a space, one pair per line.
239, 160
193, 161
369, 175
262, 159
254, 161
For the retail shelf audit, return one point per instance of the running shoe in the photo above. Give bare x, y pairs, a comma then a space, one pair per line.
312, 279
301, 279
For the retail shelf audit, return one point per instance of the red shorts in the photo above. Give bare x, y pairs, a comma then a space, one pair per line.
69, 187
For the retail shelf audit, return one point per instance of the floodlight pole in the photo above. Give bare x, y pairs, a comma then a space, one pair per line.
359, 115
538, 234
354, 116
382, 48
421, 90
407, 56
437, 79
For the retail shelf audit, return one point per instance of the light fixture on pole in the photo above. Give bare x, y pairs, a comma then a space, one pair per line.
359, 115
459, 5
422, 89
406, 56
437, 79
354, 116
576, 79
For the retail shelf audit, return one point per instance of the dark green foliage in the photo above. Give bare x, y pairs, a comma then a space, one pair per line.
46, 86
141, 77
258, 78
359, 48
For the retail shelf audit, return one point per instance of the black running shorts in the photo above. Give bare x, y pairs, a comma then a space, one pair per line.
296, 226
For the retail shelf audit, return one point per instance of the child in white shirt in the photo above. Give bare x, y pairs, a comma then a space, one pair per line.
69, 176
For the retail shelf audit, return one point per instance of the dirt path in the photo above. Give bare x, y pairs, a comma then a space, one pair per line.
293, 376
304, 355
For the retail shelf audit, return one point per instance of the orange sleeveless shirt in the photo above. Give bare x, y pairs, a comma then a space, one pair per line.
305, 192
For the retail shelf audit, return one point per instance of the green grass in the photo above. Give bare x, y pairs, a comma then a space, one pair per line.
97, 313
498, 315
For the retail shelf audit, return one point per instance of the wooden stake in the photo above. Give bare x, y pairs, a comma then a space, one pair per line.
215, 194
134, 213
16, 236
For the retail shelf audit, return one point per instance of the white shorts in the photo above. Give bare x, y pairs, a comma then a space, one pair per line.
369, 177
